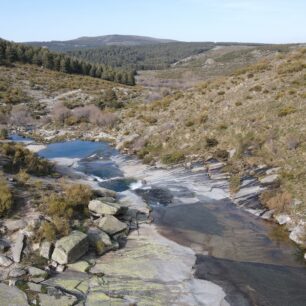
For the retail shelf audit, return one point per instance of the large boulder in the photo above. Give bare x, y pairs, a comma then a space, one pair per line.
101, 207
111, 225
18, 247
70, 248
10, 295
99, 240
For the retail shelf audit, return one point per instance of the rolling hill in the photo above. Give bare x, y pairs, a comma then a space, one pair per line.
87, 42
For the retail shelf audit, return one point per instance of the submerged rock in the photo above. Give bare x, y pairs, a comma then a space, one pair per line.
111, 225
70, 248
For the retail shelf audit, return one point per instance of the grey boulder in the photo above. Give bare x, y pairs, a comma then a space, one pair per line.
10, 295
70, 248
111, 225
101, 207
99, 240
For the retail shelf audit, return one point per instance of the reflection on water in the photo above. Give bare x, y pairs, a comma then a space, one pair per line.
94, 161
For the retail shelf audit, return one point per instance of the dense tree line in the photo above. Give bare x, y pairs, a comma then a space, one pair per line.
145, 57
13, 52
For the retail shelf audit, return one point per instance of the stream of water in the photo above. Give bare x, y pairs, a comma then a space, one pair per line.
240, 252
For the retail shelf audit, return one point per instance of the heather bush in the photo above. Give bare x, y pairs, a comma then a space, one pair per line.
71, 203
6, 197
173, 158
22, 158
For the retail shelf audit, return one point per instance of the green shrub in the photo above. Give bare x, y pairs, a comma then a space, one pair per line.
211, 142
6, 197
73, 202
173, 158
22, 177
47, 231
257, 88
287, 110
221, 154
22, 158
189, 123
234, 183
3, 134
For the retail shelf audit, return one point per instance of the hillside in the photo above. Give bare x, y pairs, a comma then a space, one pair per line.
32, 96
217, 61
99, 41
144, 57
256, 113
12, 52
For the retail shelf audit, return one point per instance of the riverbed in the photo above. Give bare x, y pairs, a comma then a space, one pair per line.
236, 250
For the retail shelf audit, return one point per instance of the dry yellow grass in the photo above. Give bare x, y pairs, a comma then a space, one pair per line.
260, 111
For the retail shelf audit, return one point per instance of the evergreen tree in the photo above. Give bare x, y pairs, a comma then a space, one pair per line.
10, 54
65, 65
57, 63
92, 71
47, 60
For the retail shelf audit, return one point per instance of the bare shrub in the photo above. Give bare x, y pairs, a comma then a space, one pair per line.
106, 118
20, 116
60, 113
279, 201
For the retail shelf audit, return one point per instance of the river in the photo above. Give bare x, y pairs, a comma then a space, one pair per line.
245, 255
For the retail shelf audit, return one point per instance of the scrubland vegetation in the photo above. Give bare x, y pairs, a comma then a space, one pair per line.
20, 158
257, 113
32, 96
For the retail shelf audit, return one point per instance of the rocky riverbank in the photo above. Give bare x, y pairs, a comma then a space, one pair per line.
118, 259
247, 193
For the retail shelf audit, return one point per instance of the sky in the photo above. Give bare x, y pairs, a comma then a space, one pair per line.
266, 21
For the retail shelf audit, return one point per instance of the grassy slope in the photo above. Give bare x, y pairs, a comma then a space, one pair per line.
260, 109
37, 88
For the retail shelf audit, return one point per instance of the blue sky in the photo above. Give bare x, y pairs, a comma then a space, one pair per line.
275, 21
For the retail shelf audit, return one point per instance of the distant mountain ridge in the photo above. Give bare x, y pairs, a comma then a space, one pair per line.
87, 42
